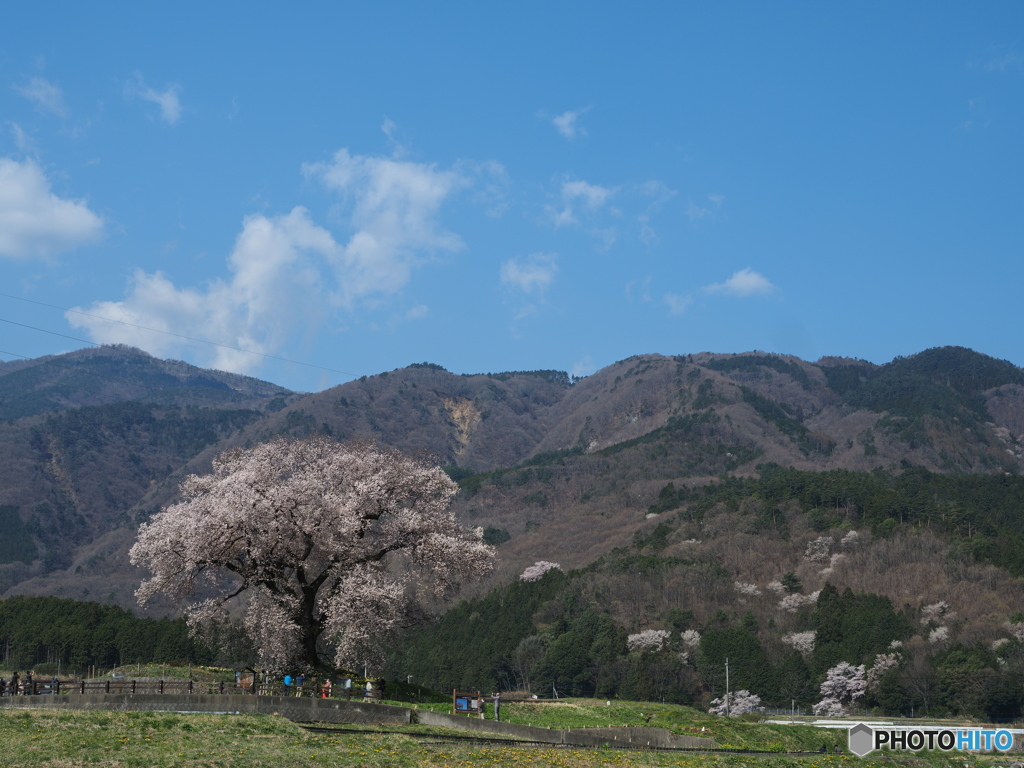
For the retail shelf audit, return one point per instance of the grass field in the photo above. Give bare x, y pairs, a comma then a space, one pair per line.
727, 732
66, 739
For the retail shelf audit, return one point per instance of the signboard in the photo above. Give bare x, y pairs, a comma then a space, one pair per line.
468, 704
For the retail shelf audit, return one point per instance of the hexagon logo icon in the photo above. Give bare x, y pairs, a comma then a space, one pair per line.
861, 739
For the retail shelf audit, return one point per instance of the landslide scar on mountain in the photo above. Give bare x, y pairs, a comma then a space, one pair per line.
464, 416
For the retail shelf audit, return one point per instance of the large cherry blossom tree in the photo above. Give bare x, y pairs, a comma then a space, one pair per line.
328, 546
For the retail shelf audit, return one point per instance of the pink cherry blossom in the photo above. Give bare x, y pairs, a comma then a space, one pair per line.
328, 545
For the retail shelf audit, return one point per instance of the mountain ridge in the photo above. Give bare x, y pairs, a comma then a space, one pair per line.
567, 468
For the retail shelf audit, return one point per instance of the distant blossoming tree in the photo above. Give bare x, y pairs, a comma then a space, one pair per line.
801, 641
819, 550
936, 611
735, 703
747, 590
1017, 630
939, 635
796, 601
648, 640
883, 663
308, 533
843, 683
538, 569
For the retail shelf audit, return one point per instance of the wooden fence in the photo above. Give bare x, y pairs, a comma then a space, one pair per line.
180, 686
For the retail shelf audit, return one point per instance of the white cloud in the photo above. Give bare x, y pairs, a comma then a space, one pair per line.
639, 290
287, 273
744, 283
394, 215
647, 234
532, 275
34, 222
591, 195
979, 116
21, 139
167, 99
275, 287
697, 212
660, 194
390, 129
418, 312
490, 182
45, 95
583, 367
998, 58
578, 196
677, 303
567, 123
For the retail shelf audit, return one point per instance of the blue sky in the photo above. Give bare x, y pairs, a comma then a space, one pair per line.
347, 188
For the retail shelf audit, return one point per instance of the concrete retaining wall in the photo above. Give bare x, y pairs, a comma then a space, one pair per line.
299, 710
590, 737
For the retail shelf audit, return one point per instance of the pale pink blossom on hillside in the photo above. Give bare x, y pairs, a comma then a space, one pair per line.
538, 569
1017, 630
936, 611
691, 638
843, 683
882, 664
801, 641
747, 590
735, 703
938, 635
796, 601
648, 640
818, 551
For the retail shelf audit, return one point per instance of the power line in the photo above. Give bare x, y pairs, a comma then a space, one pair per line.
15, 354
54, 333
158, 330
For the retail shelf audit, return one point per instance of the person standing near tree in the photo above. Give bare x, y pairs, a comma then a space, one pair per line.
497, 705
287, 684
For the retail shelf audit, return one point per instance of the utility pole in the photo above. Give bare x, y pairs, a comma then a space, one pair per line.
726, 686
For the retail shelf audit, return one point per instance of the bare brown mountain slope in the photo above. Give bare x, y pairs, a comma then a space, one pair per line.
567, 469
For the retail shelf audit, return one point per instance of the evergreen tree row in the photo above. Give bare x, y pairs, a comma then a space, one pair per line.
38, 630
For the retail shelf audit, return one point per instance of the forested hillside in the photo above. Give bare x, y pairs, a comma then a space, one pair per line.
648, 627
553, 468
788, 515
